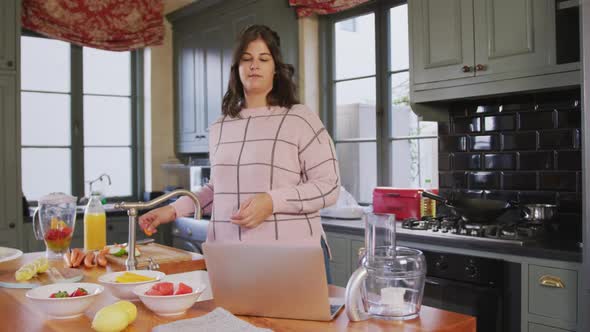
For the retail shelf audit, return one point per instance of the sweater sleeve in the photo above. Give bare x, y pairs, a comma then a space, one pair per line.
185, 207
320, 183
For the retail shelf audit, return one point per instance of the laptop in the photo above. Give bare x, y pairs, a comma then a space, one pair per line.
270, 280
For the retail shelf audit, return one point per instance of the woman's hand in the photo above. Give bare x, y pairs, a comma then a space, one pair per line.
253, 211
154, 218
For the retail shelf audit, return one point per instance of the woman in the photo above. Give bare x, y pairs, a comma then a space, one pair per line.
273, 163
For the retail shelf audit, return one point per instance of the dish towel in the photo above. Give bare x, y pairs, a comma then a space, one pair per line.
218, 320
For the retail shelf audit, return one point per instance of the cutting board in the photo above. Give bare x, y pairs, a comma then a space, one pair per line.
159, 253
51, 276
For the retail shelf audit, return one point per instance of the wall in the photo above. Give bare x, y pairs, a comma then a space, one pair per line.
524, 148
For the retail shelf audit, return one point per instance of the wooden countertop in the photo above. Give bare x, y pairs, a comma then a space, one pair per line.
24, 316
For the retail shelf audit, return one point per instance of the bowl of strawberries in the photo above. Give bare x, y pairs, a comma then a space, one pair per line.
169, 298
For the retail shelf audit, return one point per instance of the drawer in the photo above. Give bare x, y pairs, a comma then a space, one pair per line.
339, 274
544, 328
552, 301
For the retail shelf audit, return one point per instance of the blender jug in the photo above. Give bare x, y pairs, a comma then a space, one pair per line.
54, 221
389, 282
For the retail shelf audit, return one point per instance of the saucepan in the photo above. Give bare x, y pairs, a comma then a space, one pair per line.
539, 212
475, 210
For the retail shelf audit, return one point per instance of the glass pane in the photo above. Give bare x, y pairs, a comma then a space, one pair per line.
45, 171
398, 33
45, 119
355, 47
116, 162
358, 169
414, 163
355, 109
107, 120
404, 121
45, 64
400, 88
107, 72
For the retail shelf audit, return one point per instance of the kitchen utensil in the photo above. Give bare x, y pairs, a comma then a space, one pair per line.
51, 276
124, 291
475, 210
68, 307
389, 284
539, 212
8, 254
159, 253
54, 221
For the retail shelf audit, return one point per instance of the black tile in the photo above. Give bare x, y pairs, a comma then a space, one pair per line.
519, 180
559, 181
579, 181
569, 160
556, 139
483, 180
459, 109
466, 125
484, 143
519, 141
465, 193
518, 103
570, 203
491, 108
444, 161
452, 180
451, 143
569, 119
540, 197
535, 160
577, 143
499, 161
558, 100
443, 128
499, 122
460, 179
502, 195
467, 161
535, 120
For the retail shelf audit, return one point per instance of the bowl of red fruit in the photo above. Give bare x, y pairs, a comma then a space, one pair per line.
169, 298
65, 300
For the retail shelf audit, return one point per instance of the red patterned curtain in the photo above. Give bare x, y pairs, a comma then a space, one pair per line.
322, 7
114, 25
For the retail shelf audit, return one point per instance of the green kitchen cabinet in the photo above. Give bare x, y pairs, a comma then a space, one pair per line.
9, 15
467, 48
204, 36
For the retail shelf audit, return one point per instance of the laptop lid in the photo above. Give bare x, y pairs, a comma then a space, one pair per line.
269, 280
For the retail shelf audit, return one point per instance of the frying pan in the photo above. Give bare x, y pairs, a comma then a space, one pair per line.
475, 210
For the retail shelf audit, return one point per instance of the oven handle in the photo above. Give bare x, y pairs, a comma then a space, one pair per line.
431, 282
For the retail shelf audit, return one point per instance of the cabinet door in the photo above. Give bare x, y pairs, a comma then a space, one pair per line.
543, 328
512, 36
8, 35
442, 39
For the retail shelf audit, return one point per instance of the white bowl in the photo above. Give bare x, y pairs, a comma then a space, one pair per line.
67, 307
124, 291
169, 305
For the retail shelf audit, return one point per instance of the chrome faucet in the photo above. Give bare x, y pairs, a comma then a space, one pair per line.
133, 208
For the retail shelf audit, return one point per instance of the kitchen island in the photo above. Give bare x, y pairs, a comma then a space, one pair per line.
21, 315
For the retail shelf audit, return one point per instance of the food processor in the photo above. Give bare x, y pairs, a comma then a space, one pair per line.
54, 221
389, 282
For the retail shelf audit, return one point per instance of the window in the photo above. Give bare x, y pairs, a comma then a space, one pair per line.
78, 116
379, 139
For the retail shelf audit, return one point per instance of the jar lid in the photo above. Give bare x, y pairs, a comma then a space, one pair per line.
57, 198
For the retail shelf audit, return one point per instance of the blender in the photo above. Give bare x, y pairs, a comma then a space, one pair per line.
389, 282
54, 221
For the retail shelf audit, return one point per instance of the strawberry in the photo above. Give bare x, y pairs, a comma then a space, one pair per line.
153, 292
183, 289
79, 292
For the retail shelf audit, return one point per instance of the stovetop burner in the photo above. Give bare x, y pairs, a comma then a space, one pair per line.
517, 232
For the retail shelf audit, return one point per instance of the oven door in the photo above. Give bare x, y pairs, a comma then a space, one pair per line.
483, 302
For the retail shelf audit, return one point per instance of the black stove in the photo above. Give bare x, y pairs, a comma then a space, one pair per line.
518, 232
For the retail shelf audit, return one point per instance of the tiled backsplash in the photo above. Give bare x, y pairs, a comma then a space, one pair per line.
524, 148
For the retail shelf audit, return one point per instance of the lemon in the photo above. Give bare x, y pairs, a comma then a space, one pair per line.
41, 264
127, 307
110, 319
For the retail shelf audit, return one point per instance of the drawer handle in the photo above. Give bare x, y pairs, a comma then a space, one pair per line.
551, 281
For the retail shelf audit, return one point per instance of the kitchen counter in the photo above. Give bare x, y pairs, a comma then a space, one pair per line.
24, 316
543, 249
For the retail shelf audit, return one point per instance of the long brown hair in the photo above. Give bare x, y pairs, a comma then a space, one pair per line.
284, 90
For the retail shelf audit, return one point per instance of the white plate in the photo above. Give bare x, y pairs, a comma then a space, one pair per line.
8, 254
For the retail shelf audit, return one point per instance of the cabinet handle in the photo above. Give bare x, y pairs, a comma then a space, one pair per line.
12, 225
9, 63
480, 67
551, 281
200, 136
466, 69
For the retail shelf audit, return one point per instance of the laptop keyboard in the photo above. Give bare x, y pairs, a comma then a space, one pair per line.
334, 308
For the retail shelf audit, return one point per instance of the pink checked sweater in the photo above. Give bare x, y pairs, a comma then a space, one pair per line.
286, 153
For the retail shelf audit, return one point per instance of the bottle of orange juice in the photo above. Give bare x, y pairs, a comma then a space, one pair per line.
95, 224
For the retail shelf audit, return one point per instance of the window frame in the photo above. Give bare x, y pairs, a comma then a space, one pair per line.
383, 139
77, 122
